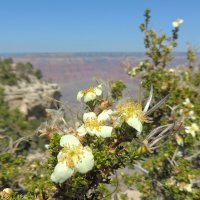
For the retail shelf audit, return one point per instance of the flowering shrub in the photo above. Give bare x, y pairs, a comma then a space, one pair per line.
104, 139
109, 132
173, 171
86, 149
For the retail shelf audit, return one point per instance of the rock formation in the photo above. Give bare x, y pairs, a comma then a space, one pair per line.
32, 97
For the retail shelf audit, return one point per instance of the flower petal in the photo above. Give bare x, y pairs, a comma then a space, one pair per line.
60, 155
92, 131
99, 86
88, 115
69, 140
98, 90
105, 115
135, 123
188, 187
195, 127
175, 24
80, 95
179, 140
90, 96
61, 173
87, 161
81, 130
105, 131
193, 133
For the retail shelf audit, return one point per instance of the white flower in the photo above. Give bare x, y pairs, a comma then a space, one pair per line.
187, 103
132, 114
181, 111
90, 94
184, 186
177, 23
171, 70
171, 182
188, 187
72, 158
105, 115
192, 115
188, 113
179, 140
94, 125
192, 129
141, 63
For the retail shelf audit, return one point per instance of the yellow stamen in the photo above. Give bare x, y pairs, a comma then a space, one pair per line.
90, 89
194, 127
93, 123
71, 153
130, 109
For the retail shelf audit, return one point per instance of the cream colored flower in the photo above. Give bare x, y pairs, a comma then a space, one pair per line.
90, 94
132, 114
188, 187
179, 139
171, 70
185, 187
171, 182
72, 158
187, 103
177, 23
188, 113
94, 125
191, 114
141, 63
181, 111
192, 129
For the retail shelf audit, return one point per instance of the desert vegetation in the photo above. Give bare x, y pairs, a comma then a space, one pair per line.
72, 154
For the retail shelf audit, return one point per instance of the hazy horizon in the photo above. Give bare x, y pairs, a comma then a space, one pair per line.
75, 71
86, 52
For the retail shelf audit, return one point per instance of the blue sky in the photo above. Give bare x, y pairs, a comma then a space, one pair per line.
91, 25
